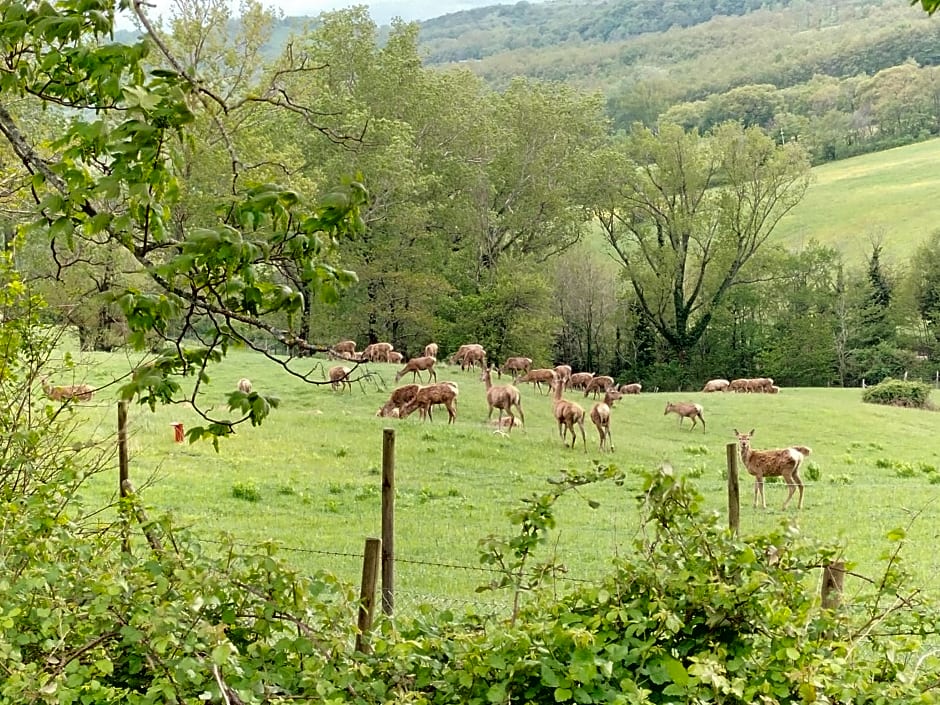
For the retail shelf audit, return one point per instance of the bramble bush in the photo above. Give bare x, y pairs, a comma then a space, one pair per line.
896, 392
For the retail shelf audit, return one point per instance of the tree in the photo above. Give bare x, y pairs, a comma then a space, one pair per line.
930, 6
925, 281
685, 214
530, 166
113, 177
586, 301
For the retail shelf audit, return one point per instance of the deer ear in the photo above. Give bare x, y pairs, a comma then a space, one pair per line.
751, 433
736, 432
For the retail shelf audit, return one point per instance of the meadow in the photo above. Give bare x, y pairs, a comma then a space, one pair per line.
887, 196
309, 478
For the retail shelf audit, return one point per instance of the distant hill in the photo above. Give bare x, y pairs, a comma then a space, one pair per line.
889, 196
697, 48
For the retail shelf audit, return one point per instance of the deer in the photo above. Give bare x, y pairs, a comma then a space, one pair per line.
540, 376
399, 397
784, 462
716, 385
516, 366
339, 378
444, 393
567, 414
580, 380
503, 397
563, 372
469, 355
600, 415
686, 410
601, 383
70, 392
416, 365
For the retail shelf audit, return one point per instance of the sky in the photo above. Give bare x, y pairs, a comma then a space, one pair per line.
381, 11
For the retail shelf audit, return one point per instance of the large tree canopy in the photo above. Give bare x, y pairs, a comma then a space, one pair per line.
685, 213
210, 244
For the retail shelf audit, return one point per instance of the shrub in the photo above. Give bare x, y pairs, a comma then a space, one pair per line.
247, 491
895, 392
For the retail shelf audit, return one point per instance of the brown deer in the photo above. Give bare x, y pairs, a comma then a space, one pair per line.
516, 366
398, 398
600, 415
599, 384
686, 410
444, 393
503, 397
540, 376
339, 378
567, 414
416, 365
69, 392
784, 463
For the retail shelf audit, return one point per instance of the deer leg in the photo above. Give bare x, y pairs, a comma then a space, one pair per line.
521, 415
610, 440
583, 437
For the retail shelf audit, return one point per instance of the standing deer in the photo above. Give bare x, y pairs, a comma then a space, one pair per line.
503, 397
600, 415
784, 463
686, 410
567, 414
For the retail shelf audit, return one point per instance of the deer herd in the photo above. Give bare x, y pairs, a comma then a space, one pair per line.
506, 400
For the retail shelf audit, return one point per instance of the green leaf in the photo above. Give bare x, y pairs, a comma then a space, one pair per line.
897, 534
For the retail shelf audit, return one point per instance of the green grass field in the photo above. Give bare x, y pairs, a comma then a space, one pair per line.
316, 466
888, 196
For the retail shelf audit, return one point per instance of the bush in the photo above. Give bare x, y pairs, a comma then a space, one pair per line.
247, 491
895, 392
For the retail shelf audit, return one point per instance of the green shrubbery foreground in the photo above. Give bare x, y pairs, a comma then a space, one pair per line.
692, 615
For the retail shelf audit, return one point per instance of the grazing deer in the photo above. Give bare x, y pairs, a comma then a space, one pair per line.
71, 392
784, 463
443, 393
416, 365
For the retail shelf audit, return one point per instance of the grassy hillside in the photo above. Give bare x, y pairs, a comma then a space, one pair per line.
889, 196
315, 466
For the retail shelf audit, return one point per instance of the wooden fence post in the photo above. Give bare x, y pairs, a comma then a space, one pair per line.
370, 572
734, 490
123, 465
833, 580
388, 521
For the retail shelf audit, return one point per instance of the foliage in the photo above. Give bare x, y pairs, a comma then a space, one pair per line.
535, 518
686, 214
695, 615
897, 392
113, 179
930, 6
